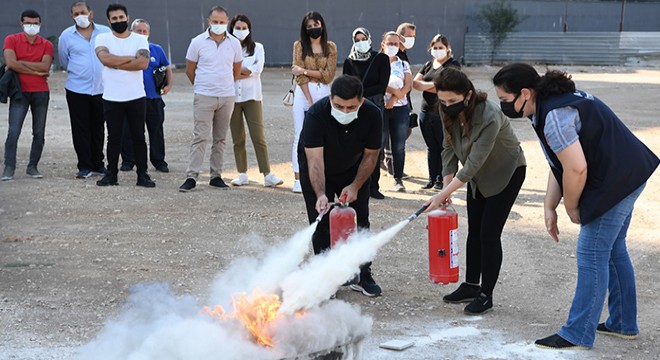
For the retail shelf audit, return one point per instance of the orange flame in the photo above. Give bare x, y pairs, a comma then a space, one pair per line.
255, 313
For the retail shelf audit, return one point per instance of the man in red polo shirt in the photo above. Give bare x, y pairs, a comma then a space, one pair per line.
29, 55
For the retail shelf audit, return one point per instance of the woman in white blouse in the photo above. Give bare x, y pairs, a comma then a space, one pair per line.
248, 103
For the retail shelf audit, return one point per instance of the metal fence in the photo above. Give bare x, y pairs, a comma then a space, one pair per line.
579, 48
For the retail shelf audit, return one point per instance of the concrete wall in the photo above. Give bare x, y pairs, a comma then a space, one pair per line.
276, 24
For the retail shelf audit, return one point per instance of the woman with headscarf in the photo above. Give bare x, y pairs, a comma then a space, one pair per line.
373, 69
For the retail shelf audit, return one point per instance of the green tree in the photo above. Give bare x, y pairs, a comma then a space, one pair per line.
498, 18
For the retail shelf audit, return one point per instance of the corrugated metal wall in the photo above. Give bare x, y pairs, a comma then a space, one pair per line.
580, 48
276, 23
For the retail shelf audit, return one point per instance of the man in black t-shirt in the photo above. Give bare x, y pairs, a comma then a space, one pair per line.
337, 152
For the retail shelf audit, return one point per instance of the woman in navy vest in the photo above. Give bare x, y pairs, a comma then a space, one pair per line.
599, 183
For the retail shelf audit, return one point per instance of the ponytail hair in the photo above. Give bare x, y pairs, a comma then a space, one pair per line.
514, 77
554, 83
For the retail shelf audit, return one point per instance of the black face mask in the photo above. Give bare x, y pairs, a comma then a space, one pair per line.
315, 33
119, 27
509, 109
453, 110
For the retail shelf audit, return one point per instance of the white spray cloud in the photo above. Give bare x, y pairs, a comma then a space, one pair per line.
157, 324
246, 274
317, 280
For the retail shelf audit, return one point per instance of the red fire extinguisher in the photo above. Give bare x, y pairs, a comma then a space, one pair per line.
443, 245
343, 221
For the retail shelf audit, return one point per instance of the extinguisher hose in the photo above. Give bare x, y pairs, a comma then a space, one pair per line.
417, 213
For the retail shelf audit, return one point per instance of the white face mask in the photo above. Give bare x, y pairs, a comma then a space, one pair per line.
241, 34
31, 29
409, 42
342, 117
82, 21
363, 46
218, 29
391, 50
439, 53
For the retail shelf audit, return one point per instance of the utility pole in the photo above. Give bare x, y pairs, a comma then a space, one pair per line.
623, 9
565, 15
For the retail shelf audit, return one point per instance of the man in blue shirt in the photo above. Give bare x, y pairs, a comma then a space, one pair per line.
84, 89
155, 105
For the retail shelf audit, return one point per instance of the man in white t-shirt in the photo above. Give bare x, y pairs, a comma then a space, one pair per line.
124, 55
213, 63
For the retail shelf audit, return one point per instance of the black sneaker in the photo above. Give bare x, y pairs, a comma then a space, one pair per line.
428, 185
353, 281
145, 181
375, 194
100, 171
437, 186
218, 182
107, 180
188, 185
163, 168
556, 342
126, 167
465, 293
481, 305
367, 285
83, 174
601, 329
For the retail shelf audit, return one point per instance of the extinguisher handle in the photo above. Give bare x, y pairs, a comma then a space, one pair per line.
448, 205
417, 213
342, 199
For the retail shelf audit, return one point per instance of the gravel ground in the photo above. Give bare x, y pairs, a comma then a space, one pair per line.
69, 250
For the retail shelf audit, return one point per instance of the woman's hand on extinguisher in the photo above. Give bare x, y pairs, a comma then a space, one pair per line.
436, 200
321, 204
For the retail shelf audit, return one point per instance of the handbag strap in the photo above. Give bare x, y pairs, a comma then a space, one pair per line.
364, 76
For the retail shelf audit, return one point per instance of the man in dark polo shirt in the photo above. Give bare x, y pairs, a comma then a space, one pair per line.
338, 149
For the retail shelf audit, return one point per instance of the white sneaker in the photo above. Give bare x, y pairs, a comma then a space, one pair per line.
296, 187
272, 180
241, 179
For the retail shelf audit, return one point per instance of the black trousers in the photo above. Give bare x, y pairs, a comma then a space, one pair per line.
154, 121
486, 219
333, 187
134, 112
375, 175
87, 129
431, 126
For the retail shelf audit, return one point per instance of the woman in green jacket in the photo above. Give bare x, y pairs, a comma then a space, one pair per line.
477, 134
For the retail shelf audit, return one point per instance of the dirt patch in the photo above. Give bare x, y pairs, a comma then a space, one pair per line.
69, 250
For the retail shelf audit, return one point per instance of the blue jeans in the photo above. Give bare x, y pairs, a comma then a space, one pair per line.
395, 126
37, 102
604, 265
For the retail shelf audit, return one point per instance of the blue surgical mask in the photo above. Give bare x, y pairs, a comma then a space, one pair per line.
218, 29
342, 117
362, 46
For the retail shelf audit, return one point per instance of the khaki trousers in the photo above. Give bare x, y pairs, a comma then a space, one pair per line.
211, 116
255, 122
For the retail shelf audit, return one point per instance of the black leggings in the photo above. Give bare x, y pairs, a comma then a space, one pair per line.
486, 219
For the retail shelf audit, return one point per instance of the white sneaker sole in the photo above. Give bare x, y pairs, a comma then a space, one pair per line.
269, 184
358, 288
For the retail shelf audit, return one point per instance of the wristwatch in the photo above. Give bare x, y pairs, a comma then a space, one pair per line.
305, 72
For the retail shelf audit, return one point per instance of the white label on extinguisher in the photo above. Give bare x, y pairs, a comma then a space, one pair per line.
453, 247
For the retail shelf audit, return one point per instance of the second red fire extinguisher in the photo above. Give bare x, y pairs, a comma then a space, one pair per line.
443, 245
343, 221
